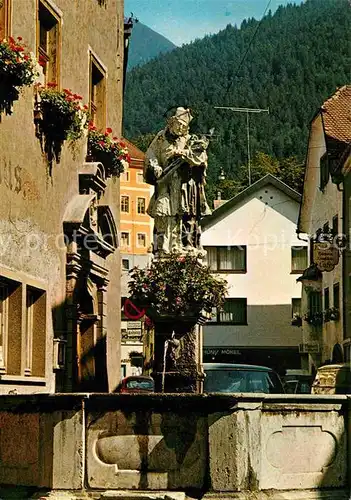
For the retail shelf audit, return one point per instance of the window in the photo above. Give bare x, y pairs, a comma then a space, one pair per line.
48, 39
97, 104
141, 240
295, 307
234, 312
227, 259
125, 239
125, 204
11, 326
140, 177
336, 296
315, 303
5, 18
35, 333
125, 176
335, 226
125, 264
326, 298
4, 317
298, 259
324, 172
141, 205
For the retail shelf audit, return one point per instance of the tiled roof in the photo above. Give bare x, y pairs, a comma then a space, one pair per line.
134, 152
336, 113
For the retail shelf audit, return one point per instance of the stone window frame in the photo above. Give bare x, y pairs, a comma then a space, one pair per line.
217, 313
141, 209
295, 250
97, 91
137, 240
125, 203
122, 239
19, 348
5, 18
216, 264
125, 177
49, 25
125, 264
296, 306
140, 177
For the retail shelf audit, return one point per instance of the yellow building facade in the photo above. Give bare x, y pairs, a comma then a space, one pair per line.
136, 235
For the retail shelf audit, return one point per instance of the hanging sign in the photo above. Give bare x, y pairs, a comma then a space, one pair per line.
325, 255
132, 311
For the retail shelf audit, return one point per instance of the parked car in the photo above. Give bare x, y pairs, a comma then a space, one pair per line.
297, 384
136, 384
223, 377
332, 379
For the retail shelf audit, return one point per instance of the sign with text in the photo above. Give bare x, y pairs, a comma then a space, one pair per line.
215, 351
309, 347
325, 255
132, 311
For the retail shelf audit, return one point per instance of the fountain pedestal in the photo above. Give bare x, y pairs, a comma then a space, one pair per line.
178, 356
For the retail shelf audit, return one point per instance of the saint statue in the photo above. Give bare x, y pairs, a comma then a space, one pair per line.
176, 163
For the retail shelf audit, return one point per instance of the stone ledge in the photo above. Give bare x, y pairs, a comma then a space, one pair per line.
281, 495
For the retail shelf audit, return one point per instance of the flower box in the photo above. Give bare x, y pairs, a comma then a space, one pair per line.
177, 288
59, 116
110, 151
18, 68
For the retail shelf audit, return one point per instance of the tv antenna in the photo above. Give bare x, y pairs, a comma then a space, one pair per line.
247, 111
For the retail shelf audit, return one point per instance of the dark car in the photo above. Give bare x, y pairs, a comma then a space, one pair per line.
136, 384
223, 377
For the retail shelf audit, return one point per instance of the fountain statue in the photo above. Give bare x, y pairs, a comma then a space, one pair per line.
175, 164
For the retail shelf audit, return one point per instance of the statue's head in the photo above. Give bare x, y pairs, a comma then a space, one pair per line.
178, 124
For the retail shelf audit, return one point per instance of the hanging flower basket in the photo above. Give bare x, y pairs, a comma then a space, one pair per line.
296, 320
314, 319
18, 68
58, 116
110, 151
331, 314
177, 288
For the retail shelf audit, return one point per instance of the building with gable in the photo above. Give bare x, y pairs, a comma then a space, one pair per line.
251, 241
59, 254
136, 228
326, 217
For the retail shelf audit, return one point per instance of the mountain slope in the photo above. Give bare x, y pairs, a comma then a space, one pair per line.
146, 44
294, 60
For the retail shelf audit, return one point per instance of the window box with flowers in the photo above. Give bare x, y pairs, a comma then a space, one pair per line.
296, 320
18, 68
314, 319
331, 314
58, 116
177, 287
108, 150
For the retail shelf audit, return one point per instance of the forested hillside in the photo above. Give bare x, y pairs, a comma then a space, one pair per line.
290, 62
146, 44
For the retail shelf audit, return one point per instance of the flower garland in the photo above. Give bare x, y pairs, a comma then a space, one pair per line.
59, 116
111, 151
18, 68
177, 286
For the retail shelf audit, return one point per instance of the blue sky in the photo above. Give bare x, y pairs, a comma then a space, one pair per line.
182, 21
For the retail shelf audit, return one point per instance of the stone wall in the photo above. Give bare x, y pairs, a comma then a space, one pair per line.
207, 444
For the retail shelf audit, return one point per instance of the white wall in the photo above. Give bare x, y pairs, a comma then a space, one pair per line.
266, 223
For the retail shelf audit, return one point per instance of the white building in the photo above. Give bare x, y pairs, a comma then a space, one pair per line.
251, 240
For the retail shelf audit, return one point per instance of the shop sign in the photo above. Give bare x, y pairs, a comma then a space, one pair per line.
325, 255
309, 348
220, 351
132, 311
134, 325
